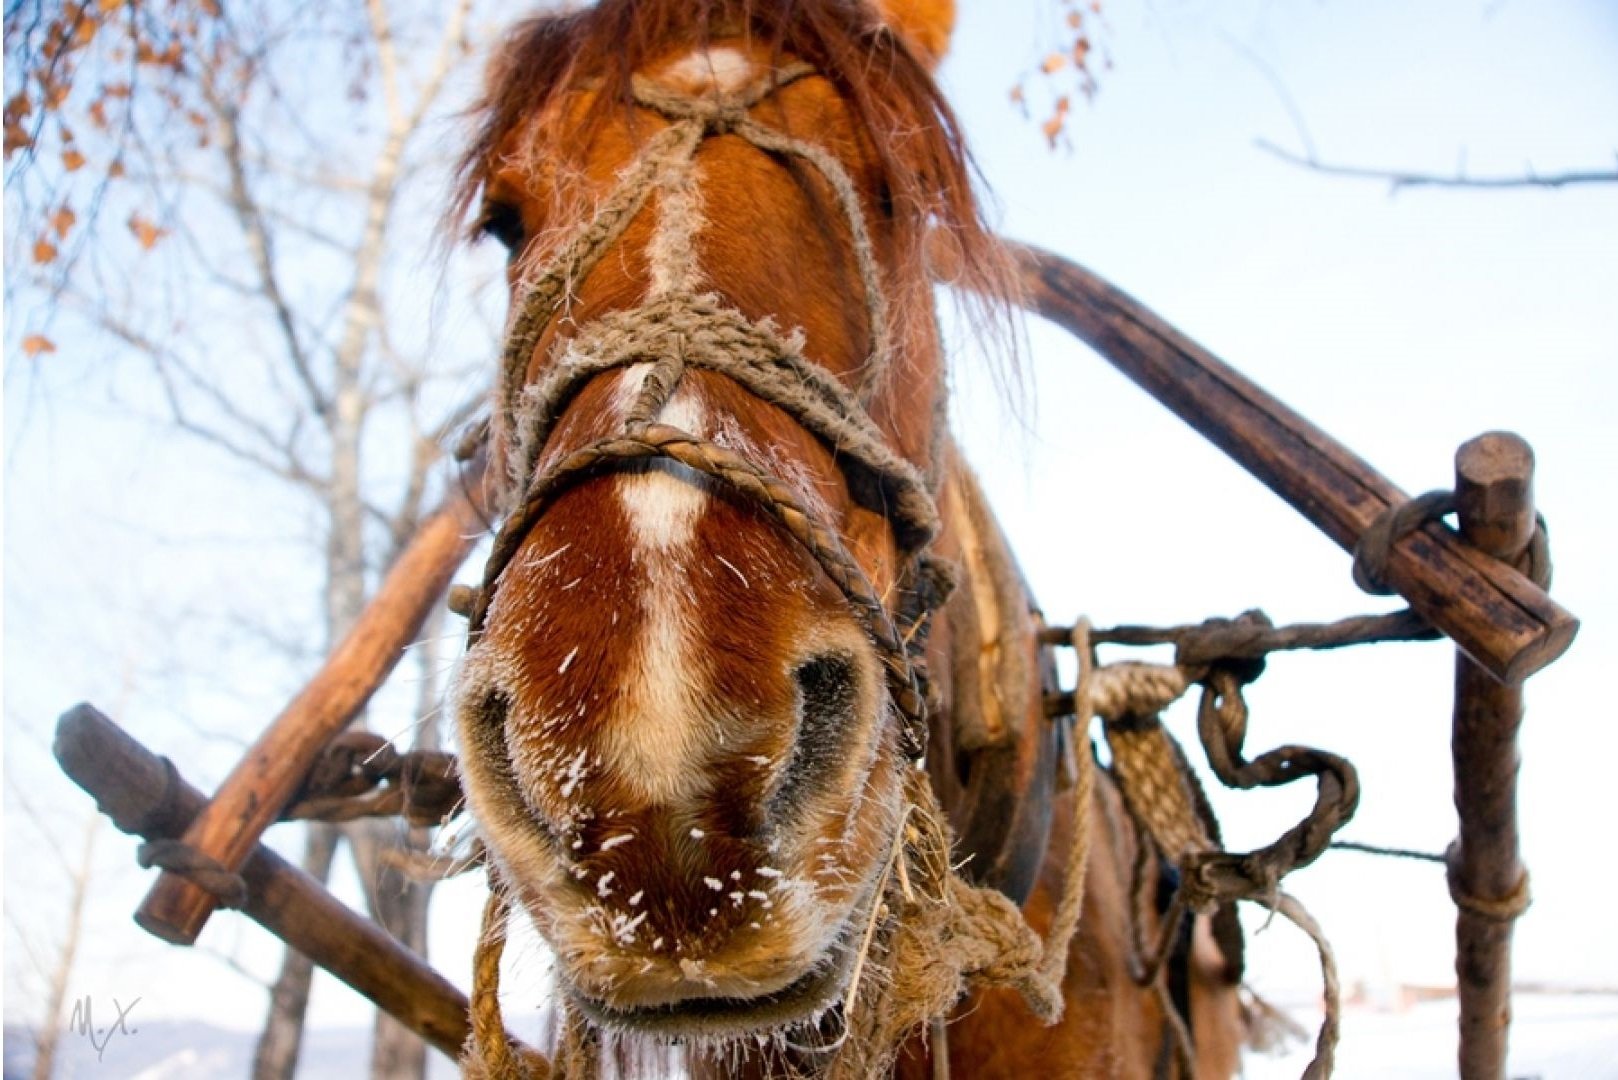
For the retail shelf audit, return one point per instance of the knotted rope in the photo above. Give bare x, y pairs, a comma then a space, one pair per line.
1164, 798
1396, 522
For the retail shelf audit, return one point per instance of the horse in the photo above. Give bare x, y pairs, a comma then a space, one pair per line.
753, 715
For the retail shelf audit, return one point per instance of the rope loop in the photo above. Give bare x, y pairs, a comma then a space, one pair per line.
1502, 909
1392, 525
1535, 563
198, 867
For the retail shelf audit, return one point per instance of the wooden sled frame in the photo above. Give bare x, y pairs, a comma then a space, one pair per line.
1464, 584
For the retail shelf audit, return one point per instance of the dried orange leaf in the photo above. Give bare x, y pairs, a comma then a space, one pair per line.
109, 6
116, 169
53, 92
72, 160
145, 232
44, 251
16, 138
34, 344
1053, 63
62, 221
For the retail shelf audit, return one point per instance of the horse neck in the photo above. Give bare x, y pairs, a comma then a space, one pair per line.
993, 753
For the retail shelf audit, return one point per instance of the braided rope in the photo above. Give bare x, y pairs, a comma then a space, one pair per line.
707, 334
760, 489
1164, 799
576, 259
490, 1053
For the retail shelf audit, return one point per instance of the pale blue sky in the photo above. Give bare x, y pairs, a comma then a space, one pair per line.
1402, 325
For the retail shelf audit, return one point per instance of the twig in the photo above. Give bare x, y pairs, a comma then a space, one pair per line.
1399, 179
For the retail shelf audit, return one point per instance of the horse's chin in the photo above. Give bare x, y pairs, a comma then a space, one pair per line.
763, 981
690, 1010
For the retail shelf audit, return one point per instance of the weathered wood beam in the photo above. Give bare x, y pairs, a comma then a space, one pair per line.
1503, 621
254, 794
143, 794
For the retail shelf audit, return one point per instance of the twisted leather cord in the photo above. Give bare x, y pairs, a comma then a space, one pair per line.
1390, 526
202, 869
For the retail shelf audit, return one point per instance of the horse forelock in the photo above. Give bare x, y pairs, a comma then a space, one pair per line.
922, 166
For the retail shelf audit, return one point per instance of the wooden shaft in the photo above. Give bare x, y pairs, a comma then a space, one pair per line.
253, 795
132, 786
1501, 619
1495, 504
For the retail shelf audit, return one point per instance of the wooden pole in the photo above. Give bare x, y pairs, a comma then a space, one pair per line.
1498, 617
1495, 504
140, 793
255, 792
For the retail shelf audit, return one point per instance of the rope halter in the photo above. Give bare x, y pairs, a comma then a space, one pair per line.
678, 328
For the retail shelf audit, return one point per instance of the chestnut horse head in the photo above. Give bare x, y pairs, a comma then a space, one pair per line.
695, 686
695, 707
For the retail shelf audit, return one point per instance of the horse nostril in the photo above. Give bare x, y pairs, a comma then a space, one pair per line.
827, 698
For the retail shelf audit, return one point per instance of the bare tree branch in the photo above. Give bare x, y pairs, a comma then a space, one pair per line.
250, 217
1397, 179
286, 465
387, 60
454, 42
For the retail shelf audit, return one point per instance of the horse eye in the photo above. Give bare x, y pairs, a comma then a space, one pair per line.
503, 221
884, 201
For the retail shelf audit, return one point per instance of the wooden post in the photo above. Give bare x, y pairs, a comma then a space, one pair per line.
1495, 504
1501, 619
255, 792
133, 787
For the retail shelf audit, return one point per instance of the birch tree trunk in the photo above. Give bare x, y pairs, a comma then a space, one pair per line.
50, 1033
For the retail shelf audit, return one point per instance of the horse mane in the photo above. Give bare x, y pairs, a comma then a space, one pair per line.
925, 169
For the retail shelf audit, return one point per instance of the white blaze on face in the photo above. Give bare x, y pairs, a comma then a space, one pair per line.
724, 69
660, 737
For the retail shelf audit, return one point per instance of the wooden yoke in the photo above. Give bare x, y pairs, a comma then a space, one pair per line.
145, 795
1499, 618
252, 797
